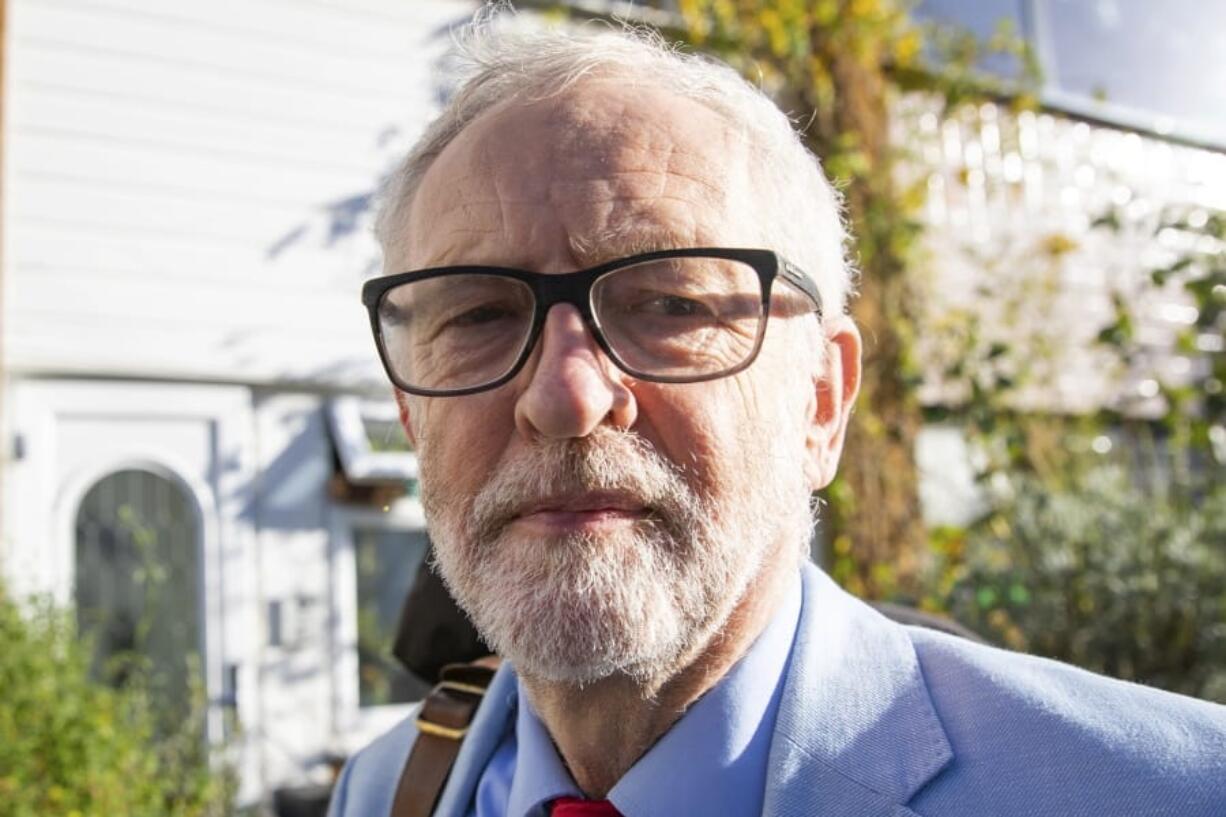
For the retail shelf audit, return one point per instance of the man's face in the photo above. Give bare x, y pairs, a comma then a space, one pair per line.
590, 523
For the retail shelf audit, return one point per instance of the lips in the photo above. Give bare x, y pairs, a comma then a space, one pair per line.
582, 510
586, 502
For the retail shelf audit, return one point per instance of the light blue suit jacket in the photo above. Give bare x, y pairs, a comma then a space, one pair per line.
881, 720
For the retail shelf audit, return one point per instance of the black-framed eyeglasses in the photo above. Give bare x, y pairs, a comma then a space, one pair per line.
672, 316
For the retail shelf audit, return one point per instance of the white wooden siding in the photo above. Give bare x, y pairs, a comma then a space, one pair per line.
169, 168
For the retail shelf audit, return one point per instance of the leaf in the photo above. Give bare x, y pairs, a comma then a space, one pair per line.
1109, 220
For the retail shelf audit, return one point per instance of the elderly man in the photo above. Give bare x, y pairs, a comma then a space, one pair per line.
615, 318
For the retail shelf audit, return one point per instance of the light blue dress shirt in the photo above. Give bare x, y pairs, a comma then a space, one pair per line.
712, 761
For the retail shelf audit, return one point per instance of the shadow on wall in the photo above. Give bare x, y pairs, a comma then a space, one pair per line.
346, 217
291, 494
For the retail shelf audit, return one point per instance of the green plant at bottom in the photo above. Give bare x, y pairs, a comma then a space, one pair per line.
1106, 574
71, 746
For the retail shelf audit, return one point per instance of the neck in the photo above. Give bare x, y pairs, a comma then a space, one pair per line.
602, 728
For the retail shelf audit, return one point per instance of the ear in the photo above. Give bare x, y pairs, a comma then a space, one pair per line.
835, 387
406, 420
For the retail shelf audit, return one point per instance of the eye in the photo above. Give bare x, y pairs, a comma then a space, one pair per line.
486, 313
391, 314
673, 306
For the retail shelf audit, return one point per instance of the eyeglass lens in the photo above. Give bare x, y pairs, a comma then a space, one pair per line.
669, 318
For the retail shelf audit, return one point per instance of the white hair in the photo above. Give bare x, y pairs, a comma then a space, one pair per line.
801, 213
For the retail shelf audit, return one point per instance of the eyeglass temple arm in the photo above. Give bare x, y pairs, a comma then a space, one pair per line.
797, 277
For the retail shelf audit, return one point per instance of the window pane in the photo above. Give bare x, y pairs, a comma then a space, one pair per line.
1164, 59
1141, 64
387, 561
385, 435
982, 18
137, 582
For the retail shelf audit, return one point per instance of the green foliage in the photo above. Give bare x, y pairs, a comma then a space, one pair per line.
73, 747
1107, 575
1195, 408
998, 353
1117, 568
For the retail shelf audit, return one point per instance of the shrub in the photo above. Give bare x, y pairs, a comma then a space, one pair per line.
1104, 574
71, 746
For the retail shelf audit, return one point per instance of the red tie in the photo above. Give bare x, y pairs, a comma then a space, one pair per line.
577, 807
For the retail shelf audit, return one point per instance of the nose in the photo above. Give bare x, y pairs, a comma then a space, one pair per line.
573, 387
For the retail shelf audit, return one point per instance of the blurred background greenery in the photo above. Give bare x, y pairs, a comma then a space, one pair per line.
75, 743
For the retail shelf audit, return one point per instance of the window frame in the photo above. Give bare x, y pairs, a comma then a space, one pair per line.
353, 724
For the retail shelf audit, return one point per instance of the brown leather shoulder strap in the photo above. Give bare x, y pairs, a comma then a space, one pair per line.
441, 724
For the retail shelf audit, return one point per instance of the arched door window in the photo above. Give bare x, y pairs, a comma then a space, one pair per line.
137, 582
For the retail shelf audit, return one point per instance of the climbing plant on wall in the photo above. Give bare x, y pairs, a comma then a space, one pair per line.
838, 64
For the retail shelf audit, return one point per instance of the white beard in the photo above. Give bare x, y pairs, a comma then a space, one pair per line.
637, 600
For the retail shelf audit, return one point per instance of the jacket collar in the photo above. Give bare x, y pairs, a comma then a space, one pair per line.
857, 733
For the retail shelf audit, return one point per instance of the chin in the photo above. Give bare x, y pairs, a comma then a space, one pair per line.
578, 609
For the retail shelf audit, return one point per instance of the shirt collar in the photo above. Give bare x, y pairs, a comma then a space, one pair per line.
712, 761
540, 775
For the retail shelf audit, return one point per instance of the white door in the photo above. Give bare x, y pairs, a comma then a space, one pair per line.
130, 502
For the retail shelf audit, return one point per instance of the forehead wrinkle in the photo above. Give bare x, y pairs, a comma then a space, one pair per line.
477, 219
668, 185
624, 222
718, 191
564, 191
602, 172
665, 170
630, 237
631, 225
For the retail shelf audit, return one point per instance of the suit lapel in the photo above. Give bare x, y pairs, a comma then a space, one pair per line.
856, 734
496, 714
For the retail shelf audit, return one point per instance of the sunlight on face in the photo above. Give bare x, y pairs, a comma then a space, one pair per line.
634, 599
702, 485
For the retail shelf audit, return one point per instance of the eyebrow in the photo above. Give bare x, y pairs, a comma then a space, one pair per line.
626, 240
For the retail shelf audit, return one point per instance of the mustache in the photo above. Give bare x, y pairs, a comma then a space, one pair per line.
607, 460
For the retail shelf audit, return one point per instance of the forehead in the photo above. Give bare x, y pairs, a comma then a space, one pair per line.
602, 169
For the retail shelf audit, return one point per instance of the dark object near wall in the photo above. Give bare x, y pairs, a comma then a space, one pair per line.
433, 630
309, 800
917, 618
302, 801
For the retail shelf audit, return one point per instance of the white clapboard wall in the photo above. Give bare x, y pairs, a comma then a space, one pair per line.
179, 177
